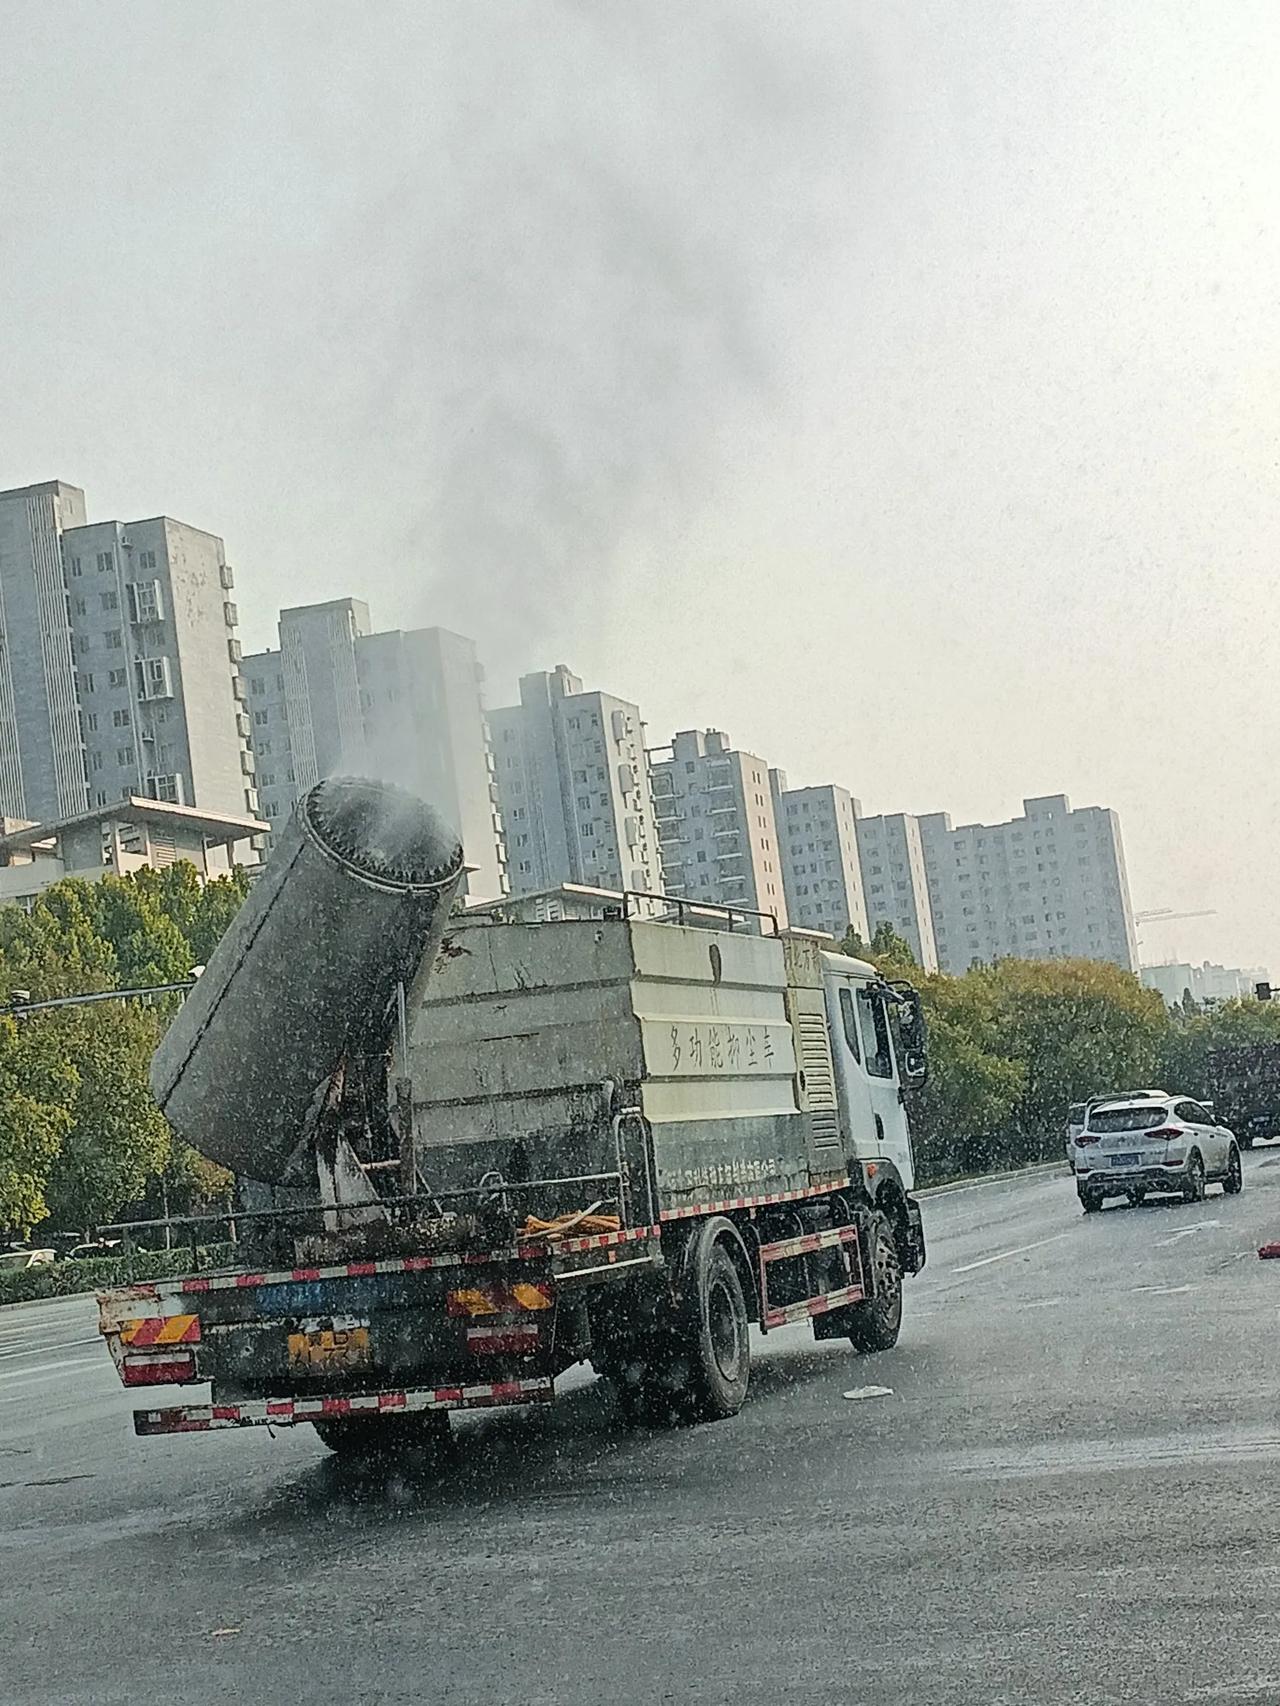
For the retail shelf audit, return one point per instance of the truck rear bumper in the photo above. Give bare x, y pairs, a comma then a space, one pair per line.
286, 1412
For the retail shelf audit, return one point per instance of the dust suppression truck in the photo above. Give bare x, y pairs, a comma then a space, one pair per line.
475, 1148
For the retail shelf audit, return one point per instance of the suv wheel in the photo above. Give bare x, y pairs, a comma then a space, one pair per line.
1193, 1189
1233, 1183
1090, 1201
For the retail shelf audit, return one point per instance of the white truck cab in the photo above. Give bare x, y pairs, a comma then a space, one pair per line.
869, 1077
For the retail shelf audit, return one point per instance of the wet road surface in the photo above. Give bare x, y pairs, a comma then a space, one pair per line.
1071, 1493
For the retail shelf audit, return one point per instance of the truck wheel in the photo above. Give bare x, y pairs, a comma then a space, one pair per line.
875, 1325
393, 1441
695, 1363
713, 1360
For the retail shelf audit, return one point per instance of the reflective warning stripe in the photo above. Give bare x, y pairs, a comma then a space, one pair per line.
151, 1330
813, 1306
512, 1338
286, 1412
765, 1201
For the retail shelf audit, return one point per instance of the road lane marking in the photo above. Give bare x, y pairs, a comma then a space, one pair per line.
45, 1375
1186, 1232
8, 1353
1004, 1255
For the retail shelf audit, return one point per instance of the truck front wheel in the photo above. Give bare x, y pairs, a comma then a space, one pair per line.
875, 1325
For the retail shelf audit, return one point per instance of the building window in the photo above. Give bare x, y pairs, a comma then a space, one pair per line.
166, 788
116, 678
110, 600
91, 722
75, 567
146, 559
106, 562
153, 681
120, 719
124, 757
146, 603
114, 639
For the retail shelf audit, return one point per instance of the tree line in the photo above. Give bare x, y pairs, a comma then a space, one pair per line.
81, 1140
1011, 1045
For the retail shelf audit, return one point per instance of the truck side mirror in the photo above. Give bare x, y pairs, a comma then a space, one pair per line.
911, 1028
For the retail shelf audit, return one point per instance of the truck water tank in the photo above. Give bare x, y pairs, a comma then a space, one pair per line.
355, 895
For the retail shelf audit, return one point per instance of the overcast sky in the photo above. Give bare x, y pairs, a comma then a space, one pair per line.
892, 386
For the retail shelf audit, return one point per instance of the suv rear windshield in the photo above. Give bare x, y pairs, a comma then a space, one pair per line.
1127, 1119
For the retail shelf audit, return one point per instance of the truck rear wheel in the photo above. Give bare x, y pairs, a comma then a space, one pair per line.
716, 1360
875, 1325
696, 1365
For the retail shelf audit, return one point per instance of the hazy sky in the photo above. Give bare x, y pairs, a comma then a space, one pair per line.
894, 386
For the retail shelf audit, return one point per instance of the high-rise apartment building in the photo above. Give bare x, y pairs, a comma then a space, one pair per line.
322, 688
153, 627
269, 733
574, 788
818, 841
119, 667
42, 774
405, 707
422, 701
895, 884
717, 824
1048, 885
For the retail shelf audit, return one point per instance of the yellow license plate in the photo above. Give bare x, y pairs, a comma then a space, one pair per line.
327, 1350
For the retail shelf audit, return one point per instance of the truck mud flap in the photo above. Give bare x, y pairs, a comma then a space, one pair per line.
287, 1412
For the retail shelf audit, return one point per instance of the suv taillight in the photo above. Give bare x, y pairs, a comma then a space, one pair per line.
1089, 1137
1166, 1132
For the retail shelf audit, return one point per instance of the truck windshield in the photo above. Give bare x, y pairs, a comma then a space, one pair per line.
1127, 1119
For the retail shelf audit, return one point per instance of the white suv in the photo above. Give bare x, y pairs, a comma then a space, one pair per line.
1145, 1143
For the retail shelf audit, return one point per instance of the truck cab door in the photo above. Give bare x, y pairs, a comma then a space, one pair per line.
887, 1105
867, 1075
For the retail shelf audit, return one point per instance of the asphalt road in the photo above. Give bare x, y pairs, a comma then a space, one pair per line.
1071, 1493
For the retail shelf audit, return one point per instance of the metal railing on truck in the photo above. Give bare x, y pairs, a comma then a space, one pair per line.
492, 1192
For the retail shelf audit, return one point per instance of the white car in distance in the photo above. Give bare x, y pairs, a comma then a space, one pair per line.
1140, 1145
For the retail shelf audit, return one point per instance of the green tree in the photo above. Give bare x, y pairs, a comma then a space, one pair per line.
117, 1138
36, 1083
887, 951
147, 944
1080, 1028
200, 911
55, 948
